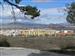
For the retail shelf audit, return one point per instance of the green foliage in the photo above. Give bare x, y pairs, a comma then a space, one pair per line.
0, 2
4, 43
70, 48
17, 1
29, 10
71, 13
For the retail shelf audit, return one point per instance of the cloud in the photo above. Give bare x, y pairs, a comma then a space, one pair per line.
6, 10
52, 0
50, 15
43, 0
53, 11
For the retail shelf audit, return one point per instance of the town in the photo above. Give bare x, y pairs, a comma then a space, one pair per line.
35, 32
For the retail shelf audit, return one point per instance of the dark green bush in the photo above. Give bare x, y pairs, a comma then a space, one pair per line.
69, 47
4, 43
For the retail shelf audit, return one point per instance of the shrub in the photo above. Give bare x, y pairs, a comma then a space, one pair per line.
4, 43
68, 47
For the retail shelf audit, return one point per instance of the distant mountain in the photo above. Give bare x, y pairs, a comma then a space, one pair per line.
62, 26
56, 26
25, 25
18, 25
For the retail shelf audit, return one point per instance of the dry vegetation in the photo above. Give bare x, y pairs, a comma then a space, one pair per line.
41, 42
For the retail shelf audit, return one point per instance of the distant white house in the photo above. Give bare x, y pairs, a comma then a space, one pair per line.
9, 32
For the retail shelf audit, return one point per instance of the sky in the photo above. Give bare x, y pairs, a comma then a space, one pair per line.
51, 11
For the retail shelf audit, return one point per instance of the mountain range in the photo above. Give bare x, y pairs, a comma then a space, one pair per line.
23, 25
18, 25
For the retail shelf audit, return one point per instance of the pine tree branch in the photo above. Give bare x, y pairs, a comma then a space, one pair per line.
12, 4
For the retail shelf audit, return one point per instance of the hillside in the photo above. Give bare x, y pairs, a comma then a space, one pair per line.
20, 25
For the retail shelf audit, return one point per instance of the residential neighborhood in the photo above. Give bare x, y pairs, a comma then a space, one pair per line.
35, 32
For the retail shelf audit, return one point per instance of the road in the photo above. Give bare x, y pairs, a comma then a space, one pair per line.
14, 51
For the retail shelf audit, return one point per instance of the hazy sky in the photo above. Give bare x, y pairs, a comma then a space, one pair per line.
52, 11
